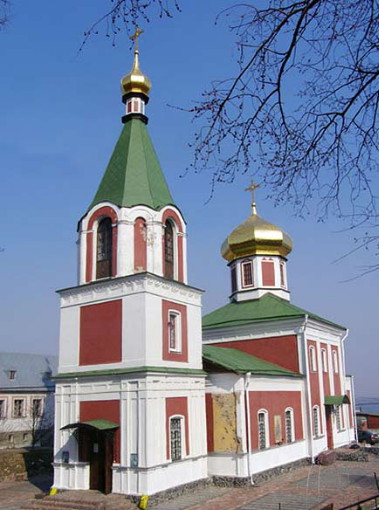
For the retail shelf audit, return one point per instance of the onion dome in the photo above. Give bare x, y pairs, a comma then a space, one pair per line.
135, 82
256, 236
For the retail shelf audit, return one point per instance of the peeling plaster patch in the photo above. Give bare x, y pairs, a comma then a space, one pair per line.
225, 423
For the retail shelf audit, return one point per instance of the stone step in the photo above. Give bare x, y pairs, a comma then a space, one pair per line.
55, 503
61, 502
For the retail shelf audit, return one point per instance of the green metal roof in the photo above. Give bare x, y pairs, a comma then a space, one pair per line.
240, 362
336, 400
267, 308
133, 175
95, 424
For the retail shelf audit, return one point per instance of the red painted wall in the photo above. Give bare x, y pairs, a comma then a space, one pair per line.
275, 403
104, 410
268, 273
372, 421
209, 418
140, 253
170, 214
176, 406
166, 353
100, 333
281, 350
100, 214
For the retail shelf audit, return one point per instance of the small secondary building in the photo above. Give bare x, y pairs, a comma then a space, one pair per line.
147, 399
26, 399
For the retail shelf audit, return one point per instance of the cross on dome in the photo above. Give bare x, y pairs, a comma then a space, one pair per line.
252, 189
135, 37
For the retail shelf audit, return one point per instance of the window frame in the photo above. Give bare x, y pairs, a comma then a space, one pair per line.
316, 426
335, 362
282, 274
3, 408
109, 243
21, 413
170, 271
263, 412
292, 422
178, 330
247, 263
312, 358
181, 419
40, 413
324, 360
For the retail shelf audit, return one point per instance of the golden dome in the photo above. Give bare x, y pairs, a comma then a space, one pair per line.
256, 236
135, 81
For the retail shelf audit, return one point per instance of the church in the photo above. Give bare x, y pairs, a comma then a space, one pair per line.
150, 395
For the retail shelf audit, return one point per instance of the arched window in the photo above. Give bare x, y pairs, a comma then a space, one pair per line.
104, 249
169, 250
312, 358
335, 362
263, 441
290, 436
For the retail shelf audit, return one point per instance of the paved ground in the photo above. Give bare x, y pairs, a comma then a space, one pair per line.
306, 488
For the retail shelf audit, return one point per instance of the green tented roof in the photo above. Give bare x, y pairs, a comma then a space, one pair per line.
133, 175
336, 400
267, 308
95, 424
240, 362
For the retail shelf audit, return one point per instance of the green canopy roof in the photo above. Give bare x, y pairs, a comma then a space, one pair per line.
336, 400
241, 362
267, 308
94, 424
133, 175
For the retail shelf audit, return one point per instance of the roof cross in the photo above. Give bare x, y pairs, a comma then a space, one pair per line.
252, 189
135, 37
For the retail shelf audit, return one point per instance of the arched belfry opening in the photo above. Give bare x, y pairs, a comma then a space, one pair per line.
169, 261
104, 249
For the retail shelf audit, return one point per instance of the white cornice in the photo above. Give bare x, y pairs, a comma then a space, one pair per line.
113, 288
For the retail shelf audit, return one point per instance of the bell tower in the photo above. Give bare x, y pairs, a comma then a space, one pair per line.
130, 338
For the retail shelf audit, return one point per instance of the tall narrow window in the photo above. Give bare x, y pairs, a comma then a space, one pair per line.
282, 276
338, 418
234, 279
289, 426
174, 333
335, 362
247, 274
176, 438
324, 361
104, 249
312, 358
169, 251
262, 430
316, 421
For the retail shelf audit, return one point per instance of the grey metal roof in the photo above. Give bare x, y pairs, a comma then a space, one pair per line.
33, 371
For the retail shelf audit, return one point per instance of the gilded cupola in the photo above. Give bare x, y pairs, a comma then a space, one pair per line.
135, 82
256, 236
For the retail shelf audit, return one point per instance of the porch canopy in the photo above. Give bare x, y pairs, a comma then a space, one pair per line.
336, 400
92, 424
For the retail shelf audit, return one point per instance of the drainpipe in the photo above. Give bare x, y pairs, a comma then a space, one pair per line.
308, 392
248, 436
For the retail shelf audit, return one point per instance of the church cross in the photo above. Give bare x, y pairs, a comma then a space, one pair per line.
135, 37
252, 189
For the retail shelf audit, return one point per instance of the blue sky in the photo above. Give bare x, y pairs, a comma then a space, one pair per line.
60, 118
